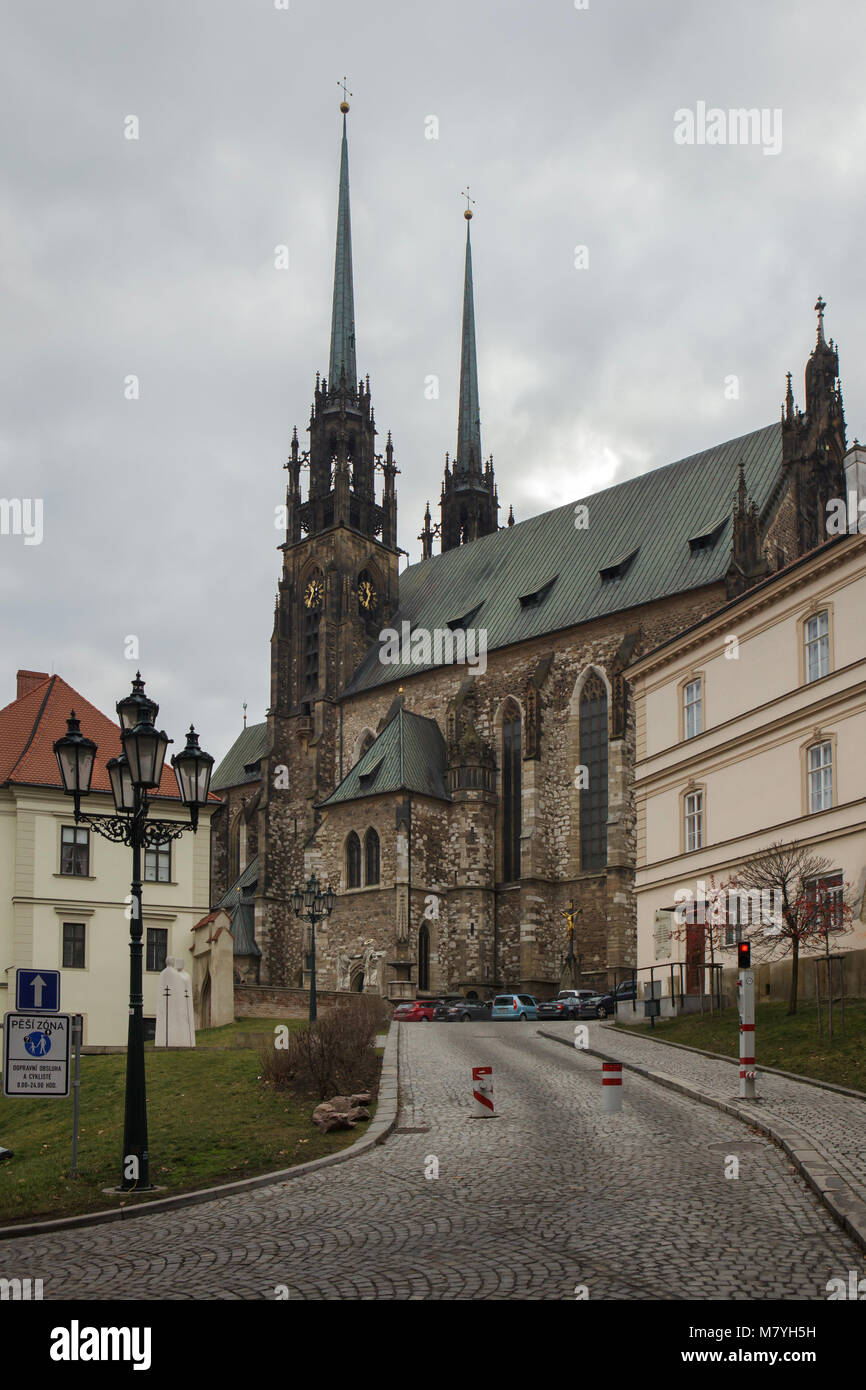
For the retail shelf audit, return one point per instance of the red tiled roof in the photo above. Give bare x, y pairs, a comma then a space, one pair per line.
29, 726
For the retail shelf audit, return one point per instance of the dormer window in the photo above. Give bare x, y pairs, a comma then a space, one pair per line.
619, 569
707, 539
537, 597
456, 624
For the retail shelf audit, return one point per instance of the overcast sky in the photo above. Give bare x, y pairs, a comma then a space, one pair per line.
155, 258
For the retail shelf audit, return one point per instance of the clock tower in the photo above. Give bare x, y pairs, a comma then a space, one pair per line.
337, 590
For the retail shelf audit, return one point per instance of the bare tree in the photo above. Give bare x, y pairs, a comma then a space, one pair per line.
806, 907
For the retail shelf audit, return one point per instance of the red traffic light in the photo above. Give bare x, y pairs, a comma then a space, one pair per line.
744, 955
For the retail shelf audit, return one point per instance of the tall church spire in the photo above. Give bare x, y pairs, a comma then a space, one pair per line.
468, 456
469, 504
342, 361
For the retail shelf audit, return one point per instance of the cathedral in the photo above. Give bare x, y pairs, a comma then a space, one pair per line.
451, 747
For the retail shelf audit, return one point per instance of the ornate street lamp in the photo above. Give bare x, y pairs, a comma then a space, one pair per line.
313, 904
133, 774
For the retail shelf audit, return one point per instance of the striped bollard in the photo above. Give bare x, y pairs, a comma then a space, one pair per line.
611, 1088
747, 1034
482, 1090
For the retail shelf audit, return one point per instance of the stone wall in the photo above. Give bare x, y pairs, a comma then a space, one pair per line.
274, 1001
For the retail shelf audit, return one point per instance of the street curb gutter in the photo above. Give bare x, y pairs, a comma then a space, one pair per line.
830, 1187
376, 1133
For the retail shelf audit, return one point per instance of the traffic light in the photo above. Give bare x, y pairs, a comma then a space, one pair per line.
744, 955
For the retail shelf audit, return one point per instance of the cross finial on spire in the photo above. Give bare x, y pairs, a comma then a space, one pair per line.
465, 194
344, 105
819, 309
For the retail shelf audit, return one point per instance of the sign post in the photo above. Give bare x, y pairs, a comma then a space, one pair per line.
77, 1030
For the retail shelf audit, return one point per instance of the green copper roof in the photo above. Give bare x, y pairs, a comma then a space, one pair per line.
409, 755
468, 457
238, 903
545, 574
343, 317
250, 745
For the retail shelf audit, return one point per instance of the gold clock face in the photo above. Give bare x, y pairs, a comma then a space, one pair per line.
314, 593
366, 594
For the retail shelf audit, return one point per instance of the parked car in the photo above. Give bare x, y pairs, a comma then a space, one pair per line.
558, 1008
521, 1007
444, 1003
415, 1011
603, 1005
467, 1011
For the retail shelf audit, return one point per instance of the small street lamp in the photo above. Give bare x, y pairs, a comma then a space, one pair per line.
313, 904
133, 774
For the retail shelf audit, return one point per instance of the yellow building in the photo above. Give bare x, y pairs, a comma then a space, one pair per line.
750, 731
64, 890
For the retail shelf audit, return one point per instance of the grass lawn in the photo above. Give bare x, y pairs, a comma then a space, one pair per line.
792, 1044
209, 1121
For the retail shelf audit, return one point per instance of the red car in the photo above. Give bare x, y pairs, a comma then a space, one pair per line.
415, 1011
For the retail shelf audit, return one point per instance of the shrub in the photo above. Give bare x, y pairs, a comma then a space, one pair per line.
333, 1056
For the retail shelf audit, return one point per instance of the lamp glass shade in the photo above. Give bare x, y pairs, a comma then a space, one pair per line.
330, 898
75, 755
311, 892
122, 788
297, 900
145, 747
193, 767
136, 708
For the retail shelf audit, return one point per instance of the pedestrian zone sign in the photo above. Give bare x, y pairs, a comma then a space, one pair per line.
36, 1050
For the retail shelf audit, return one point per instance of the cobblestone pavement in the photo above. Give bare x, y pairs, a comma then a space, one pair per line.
549, 1195
835, 1124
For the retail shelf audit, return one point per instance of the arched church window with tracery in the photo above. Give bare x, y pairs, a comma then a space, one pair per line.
511, 793
424, 957
353, 861
371, 855
593, 757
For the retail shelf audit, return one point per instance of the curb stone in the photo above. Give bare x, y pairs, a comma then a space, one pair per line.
376, 1133
631, 1031
840, 1199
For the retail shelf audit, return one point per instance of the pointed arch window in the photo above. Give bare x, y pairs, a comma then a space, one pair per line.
511, 793
353, 861
424, 957
371, 857
593, 756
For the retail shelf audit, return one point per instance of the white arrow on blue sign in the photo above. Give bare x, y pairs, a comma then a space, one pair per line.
37, 991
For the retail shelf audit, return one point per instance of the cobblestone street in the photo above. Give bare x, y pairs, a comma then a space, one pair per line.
549, 1195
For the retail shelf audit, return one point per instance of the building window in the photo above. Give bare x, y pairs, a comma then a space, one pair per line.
157, 864
820, 776
816, 636
693, 804
353, 861
593, 757
424, 957
511, 794
75, 851
371, 853
157, 948
828, 895
73, 946
693, 708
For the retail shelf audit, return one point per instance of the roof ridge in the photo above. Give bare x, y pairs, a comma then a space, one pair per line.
36, 724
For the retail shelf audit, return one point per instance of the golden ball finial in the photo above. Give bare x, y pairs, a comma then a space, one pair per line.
344, 106
468, 214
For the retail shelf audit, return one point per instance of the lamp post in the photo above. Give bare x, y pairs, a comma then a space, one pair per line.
313, 904
135, 773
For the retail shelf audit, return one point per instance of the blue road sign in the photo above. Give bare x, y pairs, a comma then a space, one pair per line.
37, 991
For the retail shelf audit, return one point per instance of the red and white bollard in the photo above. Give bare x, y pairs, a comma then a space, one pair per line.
746, 1002
611, 1088
482, 1090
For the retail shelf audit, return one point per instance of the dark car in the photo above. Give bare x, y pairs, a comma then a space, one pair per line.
468, 1011
444, 1003
559, 1008
604, 1005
